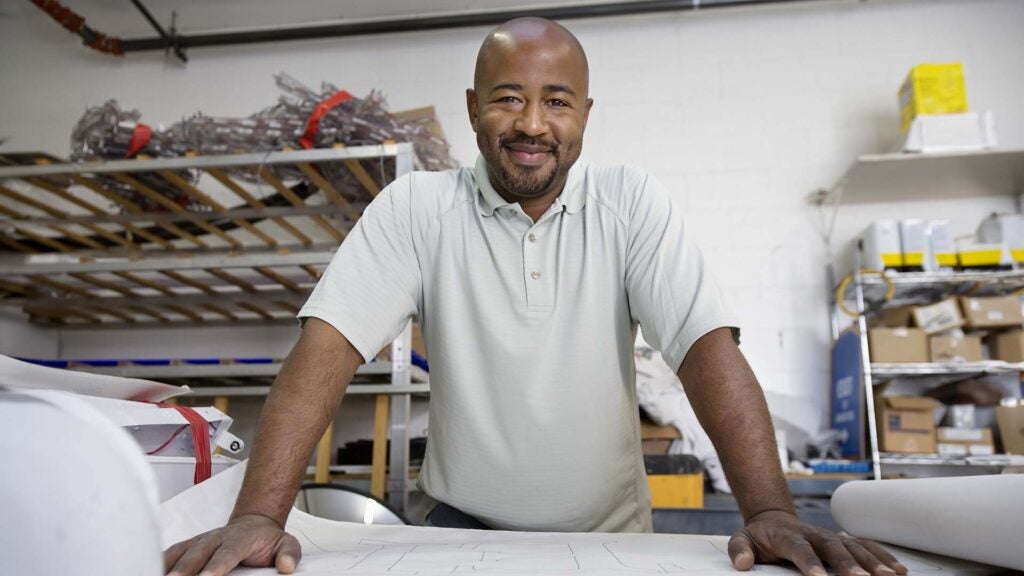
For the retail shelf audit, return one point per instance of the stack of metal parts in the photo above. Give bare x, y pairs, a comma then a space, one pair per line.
109, 132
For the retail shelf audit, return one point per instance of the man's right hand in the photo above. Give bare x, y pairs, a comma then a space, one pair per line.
250, 540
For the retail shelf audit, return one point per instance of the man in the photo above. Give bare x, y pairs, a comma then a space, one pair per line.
529, 274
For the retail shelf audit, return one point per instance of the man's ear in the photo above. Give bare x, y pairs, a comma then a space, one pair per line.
471, 107
586, 111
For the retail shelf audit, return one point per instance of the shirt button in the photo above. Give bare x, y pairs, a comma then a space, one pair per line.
532, 237
535, 275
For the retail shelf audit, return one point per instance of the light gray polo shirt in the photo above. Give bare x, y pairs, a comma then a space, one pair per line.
530, 330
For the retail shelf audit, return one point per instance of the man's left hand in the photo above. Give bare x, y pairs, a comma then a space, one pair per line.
776, 536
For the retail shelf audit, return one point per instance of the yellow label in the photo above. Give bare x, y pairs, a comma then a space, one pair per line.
980, 258
946, 259
913, 258
1017, 254
677, 490
891, 259
932, 89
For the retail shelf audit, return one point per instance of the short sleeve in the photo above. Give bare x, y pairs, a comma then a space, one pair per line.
672, 292
372, 286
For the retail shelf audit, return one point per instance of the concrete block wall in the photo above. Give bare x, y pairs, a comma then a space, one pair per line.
741, 112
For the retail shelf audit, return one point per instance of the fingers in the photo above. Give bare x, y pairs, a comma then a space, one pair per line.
222, 561
288, 554
174, 553
196, 555
884, 555
741, 551
799, 551
833, 550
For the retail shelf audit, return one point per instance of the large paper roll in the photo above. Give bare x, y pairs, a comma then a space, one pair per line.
979, 518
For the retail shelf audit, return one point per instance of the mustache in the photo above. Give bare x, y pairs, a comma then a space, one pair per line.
526, 141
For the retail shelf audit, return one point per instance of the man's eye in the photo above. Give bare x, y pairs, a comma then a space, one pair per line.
557, 102
512, 99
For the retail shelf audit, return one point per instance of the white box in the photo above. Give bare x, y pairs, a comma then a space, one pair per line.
913, 242
1005, 229
880, 245
951, 132
941, 247
175, 474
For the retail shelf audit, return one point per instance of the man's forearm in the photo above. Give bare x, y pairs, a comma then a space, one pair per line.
302, 401
730, 405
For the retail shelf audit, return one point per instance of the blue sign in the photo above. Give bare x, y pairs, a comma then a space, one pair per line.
848, 394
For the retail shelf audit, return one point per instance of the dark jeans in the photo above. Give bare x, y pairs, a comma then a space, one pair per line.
445, 516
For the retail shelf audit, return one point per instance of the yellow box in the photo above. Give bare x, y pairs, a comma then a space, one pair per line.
932, 89
677, 490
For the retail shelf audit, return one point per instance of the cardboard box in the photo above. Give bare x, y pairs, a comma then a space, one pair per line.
894, 317
1010, 420
932, 88
955, 347
1008, 346
898, 345
992, 312
651, 431
965, 441
938, 317
655, 446
906, 424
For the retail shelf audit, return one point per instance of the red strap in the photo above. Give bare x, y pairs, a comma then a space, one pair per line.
313, 124
140, 137
200, 441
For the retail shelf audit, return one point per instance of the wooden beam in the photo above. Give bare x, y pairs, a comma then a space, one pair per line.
173, 207
361, 175
280, 279
46, 209
201, 196
286, 192
230, 184
314, 175
378, 468
323, 456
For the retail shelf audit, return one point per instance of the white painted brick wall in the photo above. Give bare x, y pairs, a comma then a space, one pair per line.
741, 113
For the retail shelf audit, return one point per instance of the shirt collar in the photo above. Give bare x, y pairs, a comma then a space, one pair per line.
572, 198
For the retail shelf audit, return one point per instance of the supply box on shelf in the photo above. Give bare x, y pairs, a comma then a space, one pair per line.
1008, 346
992, 311
955, 346
938, 317
898, 345
964, 441
932, 89
1010, 420
906, 424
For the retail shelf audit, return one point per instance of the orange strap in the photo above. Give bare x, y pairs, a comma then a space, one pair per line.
313, 124
140, 137
200, 441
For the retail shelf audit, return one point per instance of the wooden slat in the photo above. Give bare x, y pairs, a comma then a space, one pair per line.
286, 192
144, 282
201, 196
378, 468
314, 175
16, 246
134, 208
16, 215
218, 310
55, 244
313, 271
173, 207
323, 456
151, 313
17, 288
221, 403
42, 207
184, 312
98, 188
113, 286
182, 279
256, 309
232, 279
63, 287
276, 277
291, 308
362, 175
61, 314
255, 203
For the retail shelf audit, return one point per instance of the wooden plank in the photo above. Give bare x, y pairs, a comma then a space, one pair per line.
378, 468
136, 209
286, 192
291, 308
280, 279
18, 288
46, 209
182, 279
113, 286
144, 282
221, 403
151, 313
323, 456
361, 175
314, 175
184, 312
55, 244
256, 309
313, 271
16, 215
218, 310
232, 279
201, 196
16, 246
64, 287
101, 191
61, 314
173, 207
255, 203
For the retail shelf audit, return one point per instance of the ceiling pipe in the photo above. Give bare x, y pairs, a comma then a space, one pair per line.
427, 23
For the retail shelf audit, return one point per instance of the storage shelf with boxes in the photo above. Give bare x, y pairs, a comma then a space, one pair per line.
931, 345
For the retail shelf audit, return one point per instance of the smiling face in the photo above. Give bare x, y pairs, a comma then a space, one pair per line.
529, 107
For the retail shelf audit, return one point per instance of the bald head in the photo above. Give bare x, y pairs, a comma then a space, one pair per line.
514, 35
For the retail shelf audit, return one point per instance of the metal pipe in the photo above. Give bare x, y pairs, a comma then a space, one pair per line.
433, 23
168, 40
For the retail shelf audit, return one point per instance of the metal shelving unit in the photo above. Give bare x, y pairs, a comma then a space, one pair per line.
916, 287
186, 241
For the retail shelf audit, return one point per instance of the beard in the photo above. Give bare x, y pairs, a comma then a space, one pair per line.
522, 181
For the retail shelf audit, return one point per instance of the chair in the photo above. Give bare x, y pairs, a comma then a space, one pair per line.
346, 504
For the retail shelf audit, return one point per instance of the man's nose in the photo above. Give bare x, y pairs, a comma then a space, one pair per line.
532, 120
